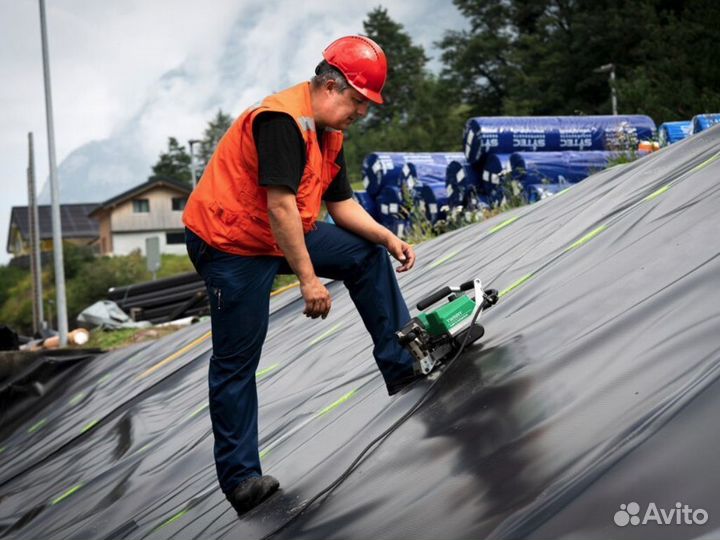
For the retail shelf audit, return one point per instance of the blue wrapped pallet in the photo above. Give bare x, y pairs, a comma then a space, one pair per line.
398, 226
508, 134
484, 179
390, 201
398, 168
432, 165
557, 167
368, 203
672, 132
383, 169
433, 199
701, 122
393, 212
494, 166
496, 170
424, 172
460, 177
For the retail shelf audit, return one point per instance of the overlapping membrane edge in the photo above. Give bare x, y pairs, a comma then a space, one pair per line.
595, 385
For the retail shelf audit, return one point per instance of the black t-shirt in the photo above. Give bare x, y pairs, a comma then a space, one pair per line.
281, 156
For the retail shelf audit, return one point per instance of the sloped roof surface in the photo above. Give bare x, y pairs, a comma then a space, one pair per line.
595, 385
73, 219
153, 182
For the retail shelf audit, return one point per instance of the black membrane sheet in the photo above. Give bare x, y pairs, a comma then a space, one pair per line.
596, 385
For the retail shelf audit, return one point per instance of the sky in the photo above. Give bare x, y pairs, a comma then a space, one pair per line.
127, 74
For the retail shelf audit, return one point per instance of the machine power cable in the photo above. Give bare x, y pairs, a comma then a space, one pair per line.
374, 444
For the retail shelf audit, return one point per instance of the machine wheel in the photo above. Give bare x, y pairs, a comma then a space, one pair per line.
476, 332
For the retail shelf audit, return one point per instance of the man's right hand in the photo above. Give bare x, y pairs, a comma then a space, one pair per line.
288, 232
317, 298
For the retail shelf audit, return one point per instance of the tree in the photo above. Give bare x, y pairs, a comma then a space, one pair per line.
676, 75
406, 66
173, 164
476, 60
539, 56
214, 131
419, 114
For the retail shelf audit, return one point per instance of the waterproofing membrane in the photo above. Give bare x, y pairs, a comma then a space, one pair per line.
595, 385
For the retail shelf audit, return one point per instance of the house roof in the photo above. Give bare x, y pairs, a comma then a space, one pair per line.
140, 189
74, 219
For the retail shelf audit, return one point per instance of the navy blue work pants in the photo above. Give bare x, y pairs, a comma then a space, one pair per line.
239, 290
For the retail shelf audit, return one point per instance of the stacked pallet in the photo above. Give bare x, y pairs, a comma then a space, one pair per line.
395, 181
540, 151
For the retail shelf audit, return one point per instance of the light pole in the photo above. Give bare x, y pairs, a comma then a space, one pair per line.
35, 254
61, 306
192, 142
610, 68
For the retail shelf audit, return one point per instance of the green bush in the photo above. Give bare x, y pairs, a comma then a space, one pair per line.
16, 308
172, 265
87, 280
92, 281
9, 277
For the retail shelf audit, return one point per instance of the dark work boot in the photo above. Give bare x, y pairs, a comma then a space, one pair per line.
252, 492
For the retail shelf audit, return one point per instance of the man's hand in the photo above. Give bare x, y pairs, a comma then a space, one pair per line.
287, 229
351, 216
401, 251
317, 298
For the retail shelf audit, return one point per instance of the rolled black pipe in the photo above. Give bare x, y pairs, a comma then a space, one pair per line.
169, 294
149, 286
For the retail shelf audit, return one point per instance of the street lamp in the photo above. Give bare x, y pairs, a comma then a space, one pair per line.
61, 306
192, 142
610, 68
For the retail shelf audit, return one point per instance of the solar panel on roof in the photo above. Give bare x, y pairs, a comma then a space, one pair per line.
73, 219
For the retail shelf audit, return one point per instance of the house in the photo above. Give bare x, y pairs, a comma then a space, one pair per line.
77, 227
152, 209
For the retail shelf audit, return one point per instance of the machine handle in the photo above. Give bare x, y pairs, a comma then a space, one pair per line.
434, 297
442, 293
468, 285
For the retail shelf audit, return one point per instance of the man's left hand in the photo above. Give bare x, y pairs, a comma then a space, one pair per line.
402, 251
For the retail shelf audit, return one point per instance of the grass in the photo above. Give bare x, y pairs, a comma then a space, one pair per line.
122, 337
283, 280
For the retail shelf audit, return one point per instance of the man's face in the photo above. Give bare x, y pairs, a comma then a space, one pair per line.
345, 107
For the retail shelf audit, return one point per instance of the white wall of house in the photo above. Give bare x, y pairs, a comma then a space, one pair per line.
160, 215
126, 242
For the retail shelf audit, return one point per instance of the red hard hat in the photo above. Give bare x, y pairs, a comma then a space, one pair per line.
363, 63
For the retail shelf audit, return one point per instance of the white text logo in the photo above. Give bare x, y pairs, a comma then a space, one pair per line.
680, 514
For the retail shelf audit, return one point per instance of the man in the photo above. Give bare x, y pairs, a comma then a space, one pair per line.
253, 215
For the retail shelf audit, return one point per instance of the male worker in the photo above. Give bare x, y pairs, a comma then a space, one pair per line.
253, 215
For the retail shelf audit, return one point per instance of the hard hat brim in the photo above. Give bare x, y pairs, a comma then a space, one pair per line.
373, 96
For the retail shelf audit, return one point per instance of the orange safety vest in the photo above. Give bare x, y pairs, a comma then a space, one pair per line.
228, 208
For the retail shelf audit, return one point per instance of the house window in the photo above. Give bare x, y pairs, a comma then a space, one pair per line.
141, 206
178, 203
175, 238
